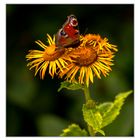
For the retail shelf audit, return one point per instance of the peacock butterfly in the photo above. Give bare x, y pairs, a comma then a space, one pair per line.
68, 35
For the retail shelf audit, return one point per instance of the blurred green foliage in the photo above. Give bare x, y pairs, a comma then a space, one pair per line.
34, 107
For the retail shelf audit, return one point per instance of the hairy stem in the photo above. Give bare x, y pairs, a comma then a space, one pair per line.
87, 93
87, 98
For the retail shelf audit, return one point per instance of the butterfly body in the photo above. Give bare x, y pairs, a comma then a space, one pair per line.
68, 35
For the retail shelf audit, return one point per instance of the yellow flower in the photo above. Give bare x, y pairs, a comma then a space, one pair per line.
91, 58
50, 57
94, 57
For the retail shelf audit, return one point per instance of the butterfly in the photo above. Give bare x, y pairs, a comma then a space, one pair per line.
68, 35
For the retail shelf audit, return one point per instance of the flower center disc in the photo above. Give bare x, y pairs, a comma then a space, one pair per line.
86, 56
54, 55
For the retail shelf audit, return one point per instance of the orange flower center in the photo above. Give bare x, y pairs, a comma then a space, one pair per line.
55, 54
85, 56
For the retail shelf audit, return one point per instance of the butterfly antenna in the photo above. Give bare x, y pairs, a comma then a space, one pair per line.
85, 31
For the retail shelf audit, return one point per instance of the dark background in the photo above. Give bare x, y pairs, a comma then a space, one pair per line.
34, 107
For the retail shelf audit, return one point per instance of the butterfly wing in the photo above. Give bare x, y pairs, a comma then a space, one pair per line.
69, 34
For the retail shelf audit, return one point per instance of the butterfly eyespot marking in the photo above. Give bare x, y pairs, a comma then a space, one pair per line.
63, 33
74, 22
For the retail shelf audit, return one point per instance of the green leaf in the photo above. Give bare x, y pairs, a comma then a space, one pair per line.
99, 116
111, 110
102, 132
93, 118
70, 86
104, 107
74, 130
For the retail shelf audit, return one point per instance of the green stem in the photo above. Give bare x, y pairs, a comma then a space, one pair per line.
87, 93
87, 98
